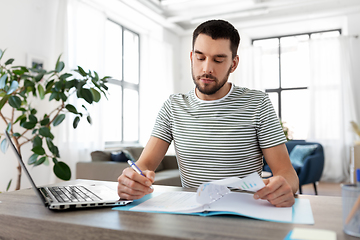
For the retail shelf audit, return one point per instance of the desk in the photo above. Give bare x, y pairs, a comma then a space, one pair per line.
22, 216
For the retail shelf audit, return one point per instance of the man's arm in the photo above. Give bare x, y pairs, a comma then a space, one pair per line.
284, 183
132, 185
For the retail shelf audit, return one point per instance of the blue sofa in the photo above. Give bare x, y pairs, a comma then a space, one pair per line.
313, 165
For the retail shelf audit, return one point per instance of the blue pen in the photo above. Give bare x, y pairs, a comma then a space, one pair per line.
136, 168
358, 177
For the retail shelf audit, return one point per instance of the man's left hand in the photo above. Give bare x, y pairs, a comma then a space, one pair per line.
277, 191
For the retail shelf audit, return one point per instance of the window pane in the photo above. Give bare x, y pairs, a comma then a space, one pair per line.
112, 114
295, 112
275, 101
113, 50
295, 71
131, 57
131, 115
270, 62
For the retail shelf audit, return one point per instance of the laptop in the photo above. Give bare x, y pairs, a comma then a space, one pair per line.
72, 196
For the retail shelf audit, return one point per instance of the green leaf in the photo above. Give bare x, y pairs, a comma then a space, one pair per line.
2, 53
37, 141
65, 76
58, 119
45, 132
16, 134
15, 102
62, 171
32, 159
4, 145
49, 143
81, 71
3, 101
28, 125
55, 96
40, 161
38, 150
55, 161
38, 77
33, 118
88, 118
33, 111
14, 85
76, 122
8, 186
96, 95
41, 91
59, 66
45, 121
86, 94
71, 108
20, 117
3, 81
10, 61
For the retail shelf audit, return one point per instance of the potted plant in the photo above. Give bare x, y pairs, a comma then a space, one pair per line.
20, 84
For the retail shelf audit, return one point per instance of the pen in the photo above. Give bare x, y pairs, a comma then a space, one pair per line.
136, 169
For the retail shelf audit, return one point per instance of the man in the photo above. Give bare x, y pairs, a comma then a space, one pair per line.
219, 130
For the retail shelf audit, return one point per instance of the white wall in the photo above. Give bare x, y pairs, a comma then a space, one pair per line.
28, 29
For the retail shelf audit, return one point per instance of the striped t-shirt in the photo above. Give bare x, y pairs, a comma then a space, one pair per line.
220, 138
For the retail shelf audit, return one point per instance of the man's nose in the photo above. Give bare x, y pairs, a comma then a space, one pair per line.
208, 67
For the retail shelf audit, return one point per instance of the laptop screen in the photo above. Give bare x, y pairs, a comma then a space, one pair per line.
12, 145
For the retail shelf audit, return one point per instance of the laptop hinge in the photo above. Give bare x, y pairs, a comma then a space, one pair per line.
46, 196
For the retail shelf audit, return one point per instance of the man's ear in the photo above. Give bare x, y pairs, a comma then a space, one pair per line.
235, 63
191, 55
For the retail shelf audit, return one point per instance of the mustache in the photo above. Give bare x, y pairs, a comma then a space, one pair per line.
207, 76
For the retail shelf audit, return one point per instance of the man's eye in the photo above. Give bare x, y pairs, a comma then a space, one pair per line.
218, 61
200, 59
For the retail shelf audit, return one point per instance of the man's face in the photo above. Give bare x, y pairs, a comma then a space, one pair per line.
211, 64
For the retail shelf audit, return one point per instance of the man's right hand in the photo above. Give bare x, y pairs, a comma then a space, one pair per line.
132, 185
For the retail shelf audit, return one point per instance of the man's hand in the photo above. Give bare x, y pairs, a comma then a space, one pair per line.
277, 191
133, 185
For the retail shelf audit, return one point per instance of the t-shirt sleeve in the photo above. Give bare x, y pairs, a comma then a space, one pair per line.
163, 125
270, 132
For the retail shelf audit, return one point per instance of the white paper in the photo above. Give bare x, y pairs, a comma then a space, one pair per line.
312, 234
234, 202
252, 182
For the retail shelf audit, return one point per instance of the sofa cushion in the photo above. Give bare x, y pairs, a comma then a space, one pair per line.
122, 156
300, 152
99, 156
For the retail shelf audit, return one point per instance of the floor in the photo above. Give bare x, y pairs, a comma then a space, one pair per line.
323, 188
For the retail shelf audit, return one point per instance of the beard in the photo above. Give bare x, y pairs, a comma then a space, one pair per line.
212, 88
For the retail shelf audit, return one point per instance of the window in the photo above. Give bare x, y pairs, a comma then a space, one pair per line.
286, 72
122, 63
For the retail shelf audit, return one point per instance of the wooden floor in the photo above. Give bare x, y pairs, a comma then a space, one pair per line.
323, 188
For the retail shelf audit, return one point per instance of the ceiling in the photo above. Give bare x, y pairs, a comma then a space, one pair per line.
183, 15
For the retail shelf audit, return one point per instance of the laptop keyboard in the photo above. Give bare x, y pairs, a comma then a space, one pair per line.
73, 194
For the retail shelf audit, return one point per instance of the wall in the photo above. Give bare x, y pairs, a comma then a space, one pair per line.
28, 29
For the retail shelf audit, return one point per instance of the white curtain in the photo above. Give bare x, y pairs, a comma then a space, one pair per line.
333, 105
85, 28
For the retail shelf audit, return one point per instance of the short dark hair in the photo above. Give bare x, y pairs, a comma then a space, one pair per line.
219, 29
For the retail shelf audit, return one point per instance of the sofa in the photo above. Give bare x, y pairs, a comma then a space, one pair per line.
108, 165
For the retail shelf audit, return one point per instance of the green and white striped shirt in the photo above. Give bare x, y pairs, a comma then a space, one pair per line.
220, 138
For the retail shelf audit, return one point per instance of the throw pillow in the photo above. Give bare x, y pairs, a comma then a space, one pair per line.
300, 152
122, 156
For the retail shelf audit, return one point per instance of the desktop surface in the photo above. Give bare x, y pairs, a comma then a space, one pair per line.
22, 216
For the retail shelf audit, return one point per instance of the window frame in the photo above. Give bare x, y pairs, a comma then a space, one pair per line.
126, 85
279, 90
